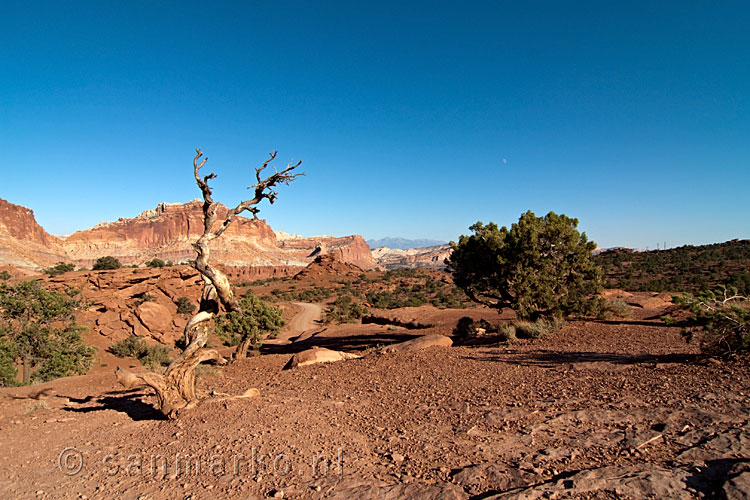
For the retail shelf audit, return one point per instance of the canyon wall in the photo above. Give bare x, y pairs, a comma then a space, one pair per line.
167, 232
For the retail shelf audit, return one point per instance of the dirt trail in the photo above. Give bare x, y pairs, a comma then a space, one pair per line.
303, 321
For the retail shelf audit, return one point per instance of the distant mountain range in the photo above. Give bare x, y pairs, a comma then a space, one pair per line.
403, 243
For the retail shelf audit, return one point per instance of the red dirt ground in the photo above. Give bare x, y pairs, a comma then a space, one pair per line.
600, 410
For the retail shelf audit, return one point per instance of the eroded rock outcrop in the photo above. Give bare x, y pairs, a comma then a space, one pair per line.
429, 257
139, 302
23, 242
167, 233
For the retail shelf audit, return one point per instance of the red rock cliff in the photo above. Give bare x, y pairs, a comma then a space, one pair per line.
23, 242
167, 232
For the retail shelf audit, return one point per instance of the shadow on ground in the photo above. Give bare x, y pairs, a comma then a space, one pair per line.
127, 402
550, 359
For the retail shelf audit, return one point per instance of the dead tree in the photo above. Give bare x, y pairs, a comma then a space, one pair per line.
175, 389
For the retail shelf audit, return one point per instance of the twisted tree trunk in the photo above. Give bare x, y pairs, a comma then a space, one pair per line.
175, 389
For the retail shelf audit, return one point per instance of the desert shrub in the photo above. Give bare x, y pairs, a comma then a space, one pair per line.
128, 347
614, 308
277, 294
688, 268
202, 371
38, 330
451, 299
4, 275
156, 263
107, 262
144, 297
8, 371
59, 268
404, 272
540, 328
383, 300
345, 310
723, 315
541, 266
184, 306
152, 356
67, 356
317, 294
155, 356
257, 317
388, 300
507, 332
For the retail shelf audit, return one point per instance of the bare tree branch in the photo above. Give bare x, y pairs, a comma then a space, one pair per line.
175, 389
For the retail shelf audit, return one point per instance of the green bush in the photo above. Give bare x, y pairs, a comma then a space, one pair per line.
107, 262
345, 310
144, 297
155, 356
317, 294
614, 308
388, 300
541, 266
723, 315
451, 299
507, 332
38, 331
151, 356
59, 268
4, 275
256, 318
8, 355
155, 263
539, 328
184, 306
404, 272
66, 357
129, 347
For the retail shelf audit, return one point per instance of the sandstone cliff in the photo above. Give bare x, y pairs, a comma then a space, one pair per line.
23, 242
430, 257
166, 232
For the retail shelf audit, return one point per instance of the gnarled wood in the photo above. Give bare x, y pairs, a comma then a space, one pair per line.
175, 390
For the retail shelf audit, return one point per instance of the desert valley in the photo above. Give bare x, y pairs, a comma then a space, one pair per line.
423, 393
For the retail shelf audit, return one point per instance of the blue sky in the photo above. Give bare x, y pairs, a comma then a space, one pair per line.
412, 119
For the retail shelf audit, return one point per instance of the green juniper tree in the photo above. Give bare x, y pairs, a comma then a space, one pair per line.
541, 266
59, 268
107, 262
245, 327
38, 331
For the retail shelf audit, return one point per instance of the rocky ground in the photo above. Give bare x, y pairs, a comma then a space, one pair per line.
622, 409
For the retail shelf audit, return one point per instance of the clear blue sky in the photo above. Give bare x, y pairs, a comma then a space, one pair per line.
413, 119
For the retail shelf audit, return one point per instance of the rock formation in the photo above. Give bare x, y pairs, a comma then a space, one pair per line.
140, 302
23, 242
430, 257
249, 249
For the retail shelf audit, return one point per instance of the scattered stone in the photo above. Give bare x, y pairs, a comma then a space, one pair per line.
419, 343
317, 355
